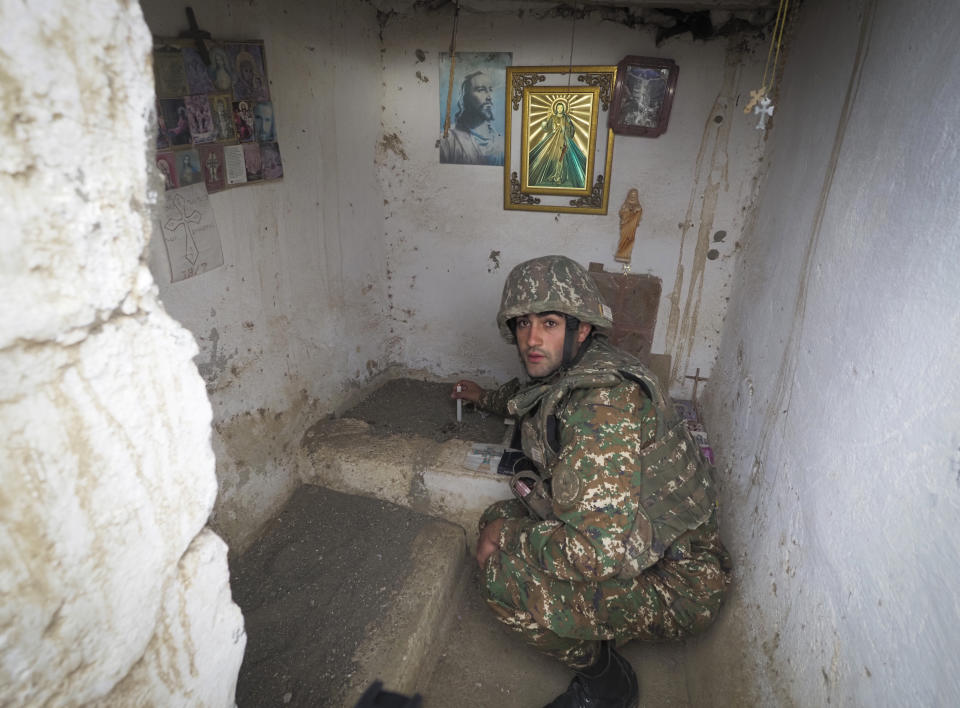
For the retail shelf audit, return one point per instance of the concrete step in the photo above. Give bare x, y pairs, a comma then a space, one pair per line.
341, 590
411, 470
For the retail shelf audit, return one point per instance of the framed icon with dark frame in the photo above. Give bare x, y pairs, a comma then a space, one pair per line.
557, 153
643, 96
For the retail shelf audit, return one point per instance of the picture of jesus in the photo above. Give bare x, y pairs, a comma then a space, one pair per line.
558, 140
557, 160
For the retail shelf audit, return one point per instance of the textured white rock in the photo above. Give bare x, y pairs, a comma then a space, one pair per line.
106, 469
76, 90
106, 476
200, 635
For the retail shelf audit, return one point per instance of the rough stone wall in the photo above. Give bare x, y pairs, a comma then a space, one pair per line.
109, 581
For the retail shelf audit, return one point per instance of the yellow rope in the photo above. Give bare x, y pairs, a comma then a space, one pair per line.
776, 39
783, 24
453, 64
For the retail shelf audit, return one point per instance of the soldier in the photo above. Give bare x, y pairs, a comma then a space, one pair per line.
612, 535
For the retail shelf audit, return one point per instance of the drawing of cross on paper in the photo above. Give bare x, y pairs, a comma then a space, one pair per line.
190, 235
184, 220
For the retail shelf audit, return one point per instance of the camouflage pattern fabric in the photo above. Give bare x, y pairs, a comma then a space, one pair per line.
678, 597
496, 401
569, 581
552, 283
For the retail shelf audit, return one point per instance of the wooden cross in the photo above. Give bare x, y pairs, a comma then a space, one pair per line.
697, 378
755, 96
197, 34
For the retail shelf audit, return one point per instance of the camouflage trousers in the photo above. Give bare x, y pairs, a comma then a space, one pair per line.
677, 597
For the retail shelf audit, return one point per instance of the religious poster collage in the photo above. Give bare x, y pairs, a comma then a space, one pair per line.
215, 122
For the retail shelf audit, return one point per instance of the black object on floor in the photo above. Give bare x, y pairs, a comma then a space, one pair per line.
376, 697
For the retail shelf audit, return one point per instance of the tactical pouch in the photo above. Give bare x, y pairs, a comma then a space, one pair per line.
531, 490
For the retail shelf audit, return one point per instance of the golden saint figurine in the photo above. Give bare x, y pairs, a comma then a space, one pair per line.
630, 214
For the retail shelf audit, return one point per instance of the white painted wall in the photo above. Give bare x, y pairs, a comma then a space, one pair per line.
111, 587
834, 402
370, 254
443, 221
294, 319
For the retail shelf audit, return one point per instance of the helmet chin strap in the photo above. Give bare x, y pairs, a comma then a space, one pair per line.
571, 348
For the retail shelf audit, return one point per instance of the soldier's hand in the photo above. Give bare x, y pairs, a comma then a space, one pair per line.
488, 542
467, 390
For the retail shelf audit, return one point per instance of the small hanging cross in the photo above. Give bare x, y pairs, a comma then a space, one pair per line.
754, 97
764, 110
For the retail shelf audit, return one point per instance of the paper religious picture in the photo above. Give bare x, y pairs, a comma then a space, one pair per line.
243, 120
263, 127
270, 158
212, 165
252, 162
472, 116
162, 139
221, 108
190, 234
173, 122
219, 69
246, 68
202, 129
167, 166
557, 158
234, 164
169, 76
188, 168
198, 75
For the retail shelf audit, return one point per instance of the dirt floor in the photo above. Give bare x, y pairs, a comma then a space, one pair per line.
320, 574
411, 407
485, 665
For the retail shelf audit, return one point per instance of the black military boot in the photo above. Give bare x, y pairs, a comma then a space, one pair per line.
608, 683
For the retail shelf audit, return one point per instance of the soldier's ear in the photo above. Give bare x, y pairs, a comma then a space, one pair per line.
583, 331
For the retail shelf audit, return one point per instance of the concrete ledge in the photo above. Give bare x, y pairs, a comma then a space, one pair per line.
402, 649
412, 471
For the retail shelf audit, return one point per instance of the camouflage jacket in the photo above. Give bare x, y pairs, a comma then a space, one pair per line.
626, 477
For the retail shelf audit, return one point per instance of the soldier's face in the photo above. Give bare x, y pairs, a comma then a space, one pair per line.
540, 341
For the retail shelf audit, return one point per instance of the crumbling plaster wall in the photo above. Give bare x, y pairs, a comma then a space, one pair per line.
113, 592
450, 243
294, 318
833, 407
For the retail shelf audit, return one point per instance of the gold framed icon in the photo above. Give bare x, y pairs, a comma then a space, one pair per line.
557, 158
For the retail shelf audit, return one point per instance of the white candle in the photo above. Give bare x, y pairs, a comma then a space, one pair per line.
459, 406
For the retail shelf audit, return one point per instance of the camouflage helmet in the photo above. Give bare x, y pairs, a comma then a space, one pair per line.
552, 283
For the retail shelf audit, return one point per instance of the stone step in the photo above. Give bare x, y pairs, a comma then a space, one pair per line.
341, 590
411, 470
